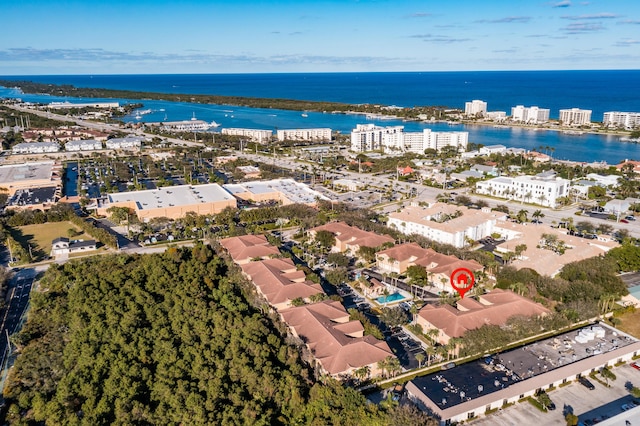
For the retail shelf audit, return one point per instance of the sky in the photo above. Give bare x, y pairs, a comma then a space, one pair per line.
42, 37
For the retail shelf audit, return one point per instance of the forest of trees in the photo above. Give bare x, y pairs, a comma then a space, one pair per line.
166, 339
286, 104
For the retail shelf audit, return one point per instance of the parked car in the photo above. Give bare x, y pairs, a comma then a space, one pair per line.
624, 221
631, 218
635, 365
586, 383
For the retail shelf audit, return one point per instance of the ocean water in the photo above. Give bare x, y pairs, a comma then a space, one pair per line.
599, 91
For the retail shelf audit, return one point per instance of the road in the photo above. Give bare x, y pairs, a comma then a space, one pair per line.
19, 291
104, 127
381, 183
426, 193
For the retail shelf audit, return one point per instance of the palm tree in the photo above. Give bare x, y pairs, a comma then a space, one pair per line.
385, 293
393, 365
431, 351
518, 288
362, 373
455, 345
542, 198
420, 359
538, 213
383, 364
414, 311
431, 334
522, 216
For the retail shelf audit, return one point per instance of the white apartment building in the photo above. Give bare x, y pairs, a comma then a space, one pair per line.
475, 107
255, 135
192, 125
128, 142
369, 137
544, 188
575, 116
497, 115
69, 105
84, 145
304, 134
628, 120
35, 147
446, 223
438, 140
531, 115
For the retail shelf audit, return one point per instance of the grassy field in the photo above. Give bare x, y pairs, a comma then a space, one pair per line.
40, 236
630, 323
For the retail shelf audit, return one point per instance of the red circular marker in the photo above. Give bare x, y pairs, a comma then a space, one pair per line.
462, 280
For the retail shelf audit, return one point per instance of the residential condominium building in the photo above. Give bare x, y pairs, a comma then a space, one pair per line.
255, 135
439, 266
84, 145
128, 142
530, 115
544, 188
575, 117
336, 344
35, 147
418, 142
475, 107
349, 239
304, 134
369, 137
446, 223
628, 120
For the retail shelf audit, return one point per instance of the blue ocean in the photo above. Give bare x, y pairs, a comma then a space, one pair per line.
599, 91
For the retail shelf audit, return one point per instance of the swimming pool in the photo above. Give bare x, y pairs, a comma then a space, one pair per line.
394, 297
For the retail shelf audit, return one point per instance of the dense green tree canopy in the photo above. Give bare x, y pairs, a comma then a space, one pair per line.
163, 339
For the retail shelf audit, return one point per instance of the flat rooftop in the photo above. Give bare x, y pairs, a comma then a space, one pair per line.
294, 191
35, 196
170, 196
26, 171
478, 378
469, 217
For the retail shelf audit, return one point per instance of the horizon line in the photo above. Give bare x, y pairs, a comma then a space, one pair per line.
324, 72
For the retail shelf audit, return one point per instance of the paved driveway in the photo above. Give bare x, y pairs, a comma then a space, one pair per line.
587, 404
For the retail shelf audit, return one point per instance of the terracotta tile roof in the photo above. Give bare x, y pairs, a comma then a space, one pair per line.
279, 280
353, 236
326, 329
432, 261
247, 247
494, 308
403, 252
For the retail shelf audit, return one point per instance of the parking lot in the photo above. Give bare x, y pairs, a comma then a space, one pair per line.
591, 406
401, 343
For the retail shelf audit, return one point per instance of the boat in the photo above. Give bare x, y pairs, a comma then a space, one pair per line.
572, 132
214, 124
304, 114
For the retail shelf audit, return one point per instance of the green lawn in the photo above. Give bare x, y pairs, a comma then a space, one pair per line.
630, 323
40, 236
